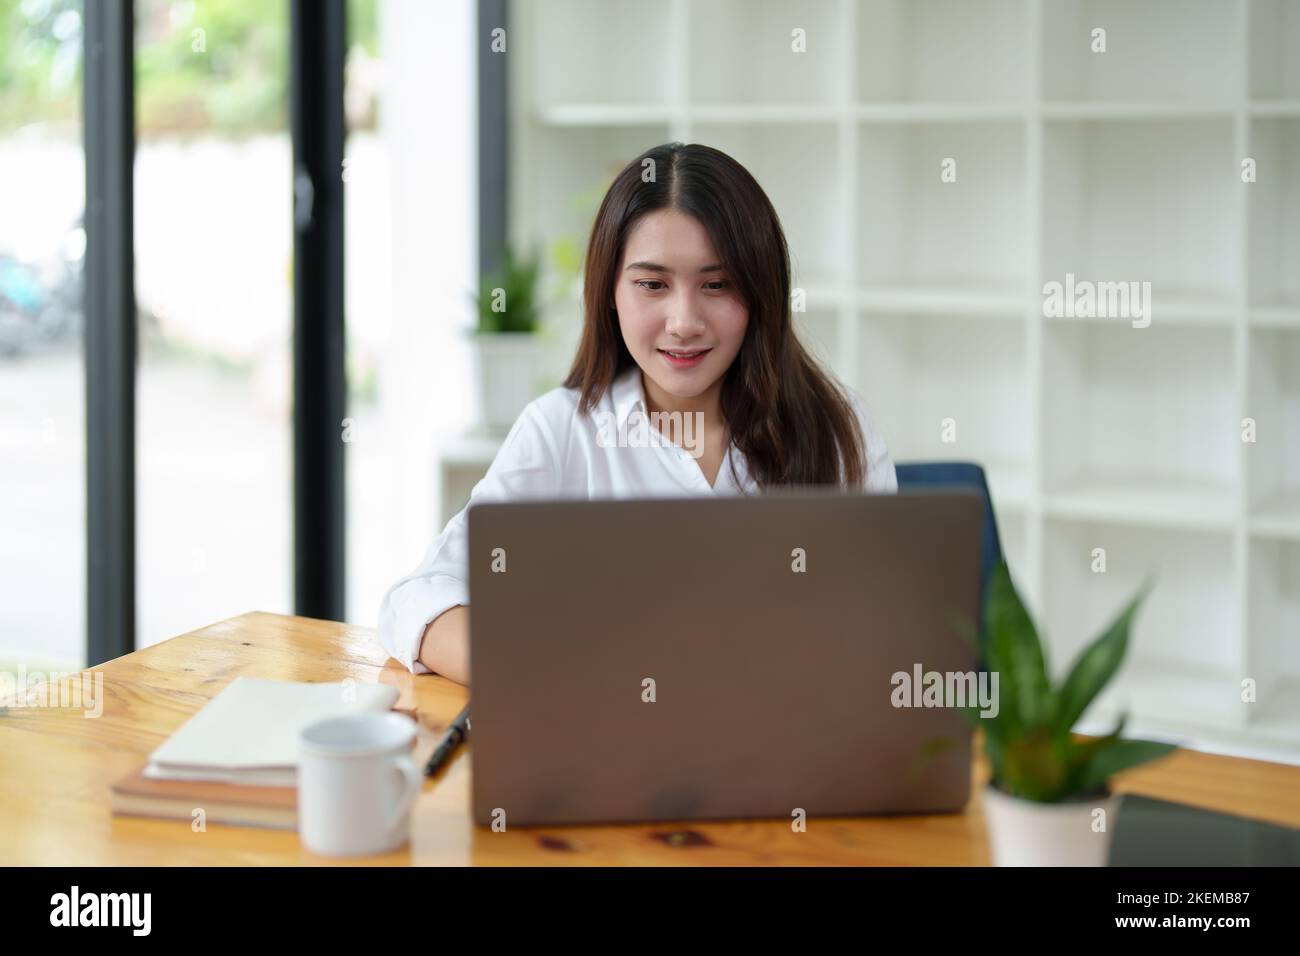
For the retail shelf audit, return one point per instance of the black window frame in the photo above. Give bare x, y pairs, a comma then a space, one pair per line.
318, 33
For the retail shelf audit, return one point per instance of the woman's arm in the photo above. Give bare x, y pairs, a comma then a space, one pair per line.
444, 649
416, 623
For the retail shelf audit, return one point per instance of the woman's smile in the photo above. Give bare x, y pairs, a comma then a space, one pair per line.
684, 358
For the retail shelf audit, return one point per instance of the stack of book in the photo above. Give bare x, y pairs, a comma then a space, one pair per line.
235, 761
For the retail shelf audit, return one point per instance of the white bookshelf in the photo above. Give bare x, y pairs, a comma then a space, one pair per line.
927, 296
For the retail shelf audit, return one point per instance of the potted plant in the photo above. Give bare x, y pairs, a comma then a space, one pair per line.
506, 344
1048, 801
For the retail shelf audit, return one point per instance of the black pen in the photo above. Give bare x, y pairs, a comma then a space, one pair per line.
457, 732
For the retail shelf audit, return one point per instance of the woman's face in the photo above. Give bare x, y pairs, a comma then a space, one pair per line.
681, 317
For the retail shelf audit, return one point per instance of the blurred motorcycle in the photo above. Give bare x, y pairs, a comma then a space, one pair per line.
41, 303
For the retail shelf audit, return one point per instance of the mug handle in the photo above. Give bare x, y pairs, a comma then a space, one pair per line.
414, 781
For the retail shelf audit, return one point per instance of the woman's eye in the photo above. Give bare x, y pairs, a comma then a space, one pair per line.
655, 285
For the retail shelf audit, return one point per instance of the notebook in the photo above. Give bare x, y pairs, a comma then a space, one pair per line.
248, 734
136, 795
235, 804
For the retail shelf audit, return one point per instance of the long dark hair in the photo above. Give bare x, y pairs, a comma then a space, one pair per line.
784, 413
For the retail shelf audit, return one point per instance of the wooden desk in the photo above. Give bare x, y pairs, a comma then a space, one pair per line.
56, 766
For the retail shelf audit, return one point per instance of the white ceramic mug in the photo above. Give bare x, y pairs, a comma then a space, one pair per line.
357, 784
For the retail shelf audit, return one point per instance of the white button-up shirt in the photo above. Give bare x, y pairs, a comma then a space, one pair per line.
554, 451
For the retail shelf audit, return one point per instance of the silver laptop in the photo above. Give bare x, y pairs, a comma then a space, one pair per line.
720, 658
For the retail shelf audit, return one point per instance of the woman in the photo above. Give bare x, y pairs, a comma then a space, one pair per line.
688, 328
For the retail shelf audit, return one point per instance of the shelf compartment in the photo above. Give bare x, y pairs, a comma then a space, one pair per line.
1183, 660
918, 231
1274, 628
604, 114
1140, 425
1273, 459
1274, 108
1275, 721
797, 168
1129, 110
1275, 49
1140, 499
614, 52
1171, 307
572, 168
1277, 515
1198, 708
1143, 202
756, 63
1275, 317
818, 330
950, 50
919, 370
1275, 219
992, 300
1155, 50
939, 112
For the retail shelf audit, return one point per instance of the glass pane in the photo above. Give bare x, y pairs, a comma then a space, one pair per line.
42, 390
411, 254
214, 247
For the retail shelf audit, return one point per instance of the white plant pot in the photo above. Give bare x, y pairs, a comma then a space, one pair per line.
1029, 833
507, 369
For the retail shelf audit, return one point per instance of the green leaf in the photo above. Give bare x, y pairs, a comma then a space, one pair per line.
1029, 745
1014, 651
1035, 766
517, 278
1080, 753
1119, 755
1096, 666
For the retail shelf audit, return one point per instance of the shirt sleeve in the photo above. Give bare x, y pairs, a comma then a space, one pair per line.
881, 475
526, 466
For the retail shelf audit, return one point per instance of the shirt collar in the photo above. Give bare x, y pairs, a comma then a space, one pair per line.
627, 393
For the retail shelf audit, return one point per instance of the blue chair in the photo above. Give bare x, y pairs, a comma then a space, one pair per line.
960, 474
